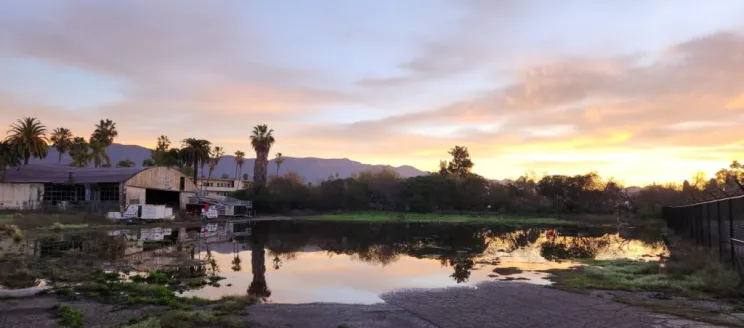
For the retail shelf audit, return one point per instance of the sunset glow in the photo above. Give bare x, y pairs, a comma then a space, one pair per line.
640, 91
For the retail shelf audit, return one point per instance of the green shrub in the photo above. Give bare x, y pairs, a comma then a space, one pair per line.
70, 317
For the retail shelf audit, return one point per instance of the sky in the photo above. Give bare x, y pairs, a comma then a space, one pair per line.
642, 91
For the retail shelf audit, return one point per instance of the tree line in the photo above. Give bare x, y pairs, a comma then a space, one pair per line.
27, 138
30, 138
196, 154
454, 188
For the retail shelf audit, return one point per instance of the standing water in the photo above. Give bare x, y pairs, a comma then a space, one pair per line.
301, 262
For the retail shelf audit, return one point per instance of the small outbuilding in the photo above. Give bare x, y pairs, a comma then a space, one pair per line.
34, 186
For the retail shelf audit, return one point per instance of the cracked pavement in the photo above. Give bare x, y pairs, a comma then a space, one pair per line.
489, 305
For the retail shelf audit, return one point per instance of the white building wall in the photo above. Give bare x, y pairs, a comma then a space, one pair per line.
134, 195
20, 195
184, 198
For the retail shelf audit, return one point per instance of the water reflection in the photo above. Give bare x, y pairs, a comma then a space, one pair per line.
348, 263
331, 262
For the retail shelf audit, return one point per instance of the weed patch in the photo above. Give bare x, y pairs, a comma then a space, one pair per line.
70, 317
13, 231
187, 319
232, 304
61, 226
683, 279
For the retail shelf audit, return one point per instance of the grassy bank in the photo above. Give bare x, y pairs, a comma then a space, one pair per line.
690, 273
696, 286
436, 217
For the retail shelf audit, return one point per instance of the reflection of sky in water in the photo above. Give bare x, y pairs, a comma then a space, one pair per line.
318, 276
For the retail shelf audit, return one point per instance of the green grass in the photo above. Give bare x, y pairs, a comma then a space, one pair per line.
61, 226
69, 317
156, 288
435, 217
689, 279
186, 319
231, 304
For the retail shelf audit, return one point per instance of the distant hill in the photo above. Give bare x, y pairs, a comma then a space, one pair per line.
312, 169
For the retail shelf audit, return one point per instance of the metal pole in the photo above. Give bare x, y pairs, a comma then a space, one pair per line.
731, 232
720, 249
698, 225
702, 226
707, 218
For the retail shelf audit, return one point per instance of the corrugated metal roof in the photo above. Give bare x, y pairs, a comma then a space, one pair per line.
62, 174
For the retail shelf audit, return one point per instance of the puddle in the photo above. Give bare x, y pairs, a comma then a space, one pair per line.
301, 262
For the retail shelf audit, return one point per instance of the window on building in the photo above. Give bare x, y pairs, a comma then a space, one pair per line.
64, 192
108, 192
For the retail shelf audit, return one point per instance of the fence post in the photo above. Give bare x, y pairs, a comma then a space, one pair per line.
720, 249
700, 224
710, 232
731, 232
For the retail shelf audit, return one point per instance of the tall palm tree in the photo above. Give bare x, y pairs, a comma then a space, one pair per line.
279, 160
61, 139
105, 132
262, 139
239, 160
98, 154
79, 152
195, 151
214, 158
28, 138
8, 158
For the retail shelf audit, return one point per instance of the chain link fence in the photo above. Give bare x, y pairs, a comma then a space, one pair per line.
716, 225
88, 207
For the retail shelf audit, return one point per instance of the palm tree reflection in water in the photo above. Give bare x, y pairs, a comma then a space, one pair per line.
236, 267
258, 287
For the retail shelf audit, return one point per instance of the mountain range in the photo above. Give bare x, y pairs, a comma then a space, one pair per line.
310, 168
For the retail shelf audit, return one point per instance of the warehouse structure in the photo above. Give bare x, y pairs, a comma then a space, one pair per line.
34, 186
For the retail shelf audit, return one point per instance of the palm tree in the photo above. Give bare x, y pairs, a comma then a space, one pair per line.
214, 159
61, 139
28, 137
98, 154
195, 151
239, 160
261, 139
279, 160
79, 152
8, 158
105, 132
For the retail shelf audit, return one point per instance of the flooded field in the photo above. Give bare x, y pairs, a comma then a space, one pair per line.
299, 262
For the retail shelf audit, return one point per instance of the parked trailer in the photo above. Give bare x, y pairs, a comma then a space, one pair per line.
143, 212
